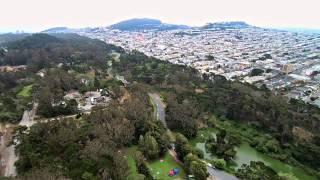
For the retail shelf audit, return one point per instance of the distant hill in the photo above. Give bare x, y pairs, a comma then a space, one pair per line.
57, 30
34, 41
302, 30
145, 24
10, 37
227, 25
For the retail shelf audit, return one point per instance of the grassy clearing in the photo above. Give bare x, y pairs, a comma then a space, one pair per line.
130, 153
160, 168
25, 92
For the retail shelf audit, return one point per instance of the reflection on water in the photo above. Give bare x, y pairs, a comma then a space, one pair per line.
245, 154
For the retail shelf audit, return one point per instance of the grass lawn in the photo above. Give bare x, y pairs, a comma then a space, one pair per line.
130, 153
160, 168
25, 92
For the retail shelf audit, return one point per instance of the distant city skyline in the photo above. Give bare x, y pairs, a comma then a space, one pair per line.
37, 15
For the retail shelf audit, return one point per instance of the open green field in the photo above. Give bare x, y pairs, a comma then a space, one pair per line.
25, 92
159, 168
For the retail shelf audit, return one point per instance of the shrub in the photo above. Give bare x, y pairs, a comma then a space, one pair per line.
219, 163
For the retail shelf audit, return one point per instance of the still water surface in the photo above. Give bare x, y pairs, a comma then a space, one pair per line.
245, 154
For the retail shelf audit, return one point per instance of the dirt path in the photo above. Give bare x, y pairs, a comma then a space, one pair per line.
8, 155
7, 152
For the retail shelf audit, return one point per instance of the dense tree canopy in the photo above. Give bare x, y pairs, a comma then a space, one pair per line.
257, 171
223, 145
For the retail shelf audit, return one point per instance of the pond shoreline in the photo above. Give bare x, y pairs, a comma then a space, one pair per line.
246, 153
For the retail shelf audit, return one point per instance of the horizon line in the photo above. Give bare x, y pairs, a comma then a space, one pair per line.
33, 30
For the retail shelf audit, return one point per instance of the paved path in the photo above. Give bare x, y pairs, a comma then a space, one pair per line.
220, 175
160, 107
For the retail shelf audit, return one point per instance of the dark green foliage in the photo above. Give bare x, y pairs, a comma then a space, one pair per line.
223, 146
219, 163
10, 37
51, 92
90, 148
210, 57
182, 117
199, 170
257, 171
77, 151
183, 148
265, 57
9, 110
61, 141
34, 41
12, 106
196, 167
40, 174
138, 67
256, 72
42, 51
142, 166
307, 152
149, 146
161, 136
266, 145
316, 140
96, 83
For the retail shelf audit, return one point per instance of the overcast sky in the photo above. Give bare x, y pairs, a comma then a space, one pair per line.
36, 15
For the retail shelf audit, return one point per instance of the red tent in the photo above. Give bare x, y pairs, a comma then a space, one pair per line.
171, 173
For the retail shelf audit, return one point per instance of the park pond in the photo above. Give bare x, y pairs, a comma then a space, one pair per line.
246, 153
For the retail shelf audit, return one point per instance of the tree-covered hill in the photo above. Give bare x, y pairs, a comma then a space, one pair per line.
9, 37
145, 24
227, 25
41, 50
34, 41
